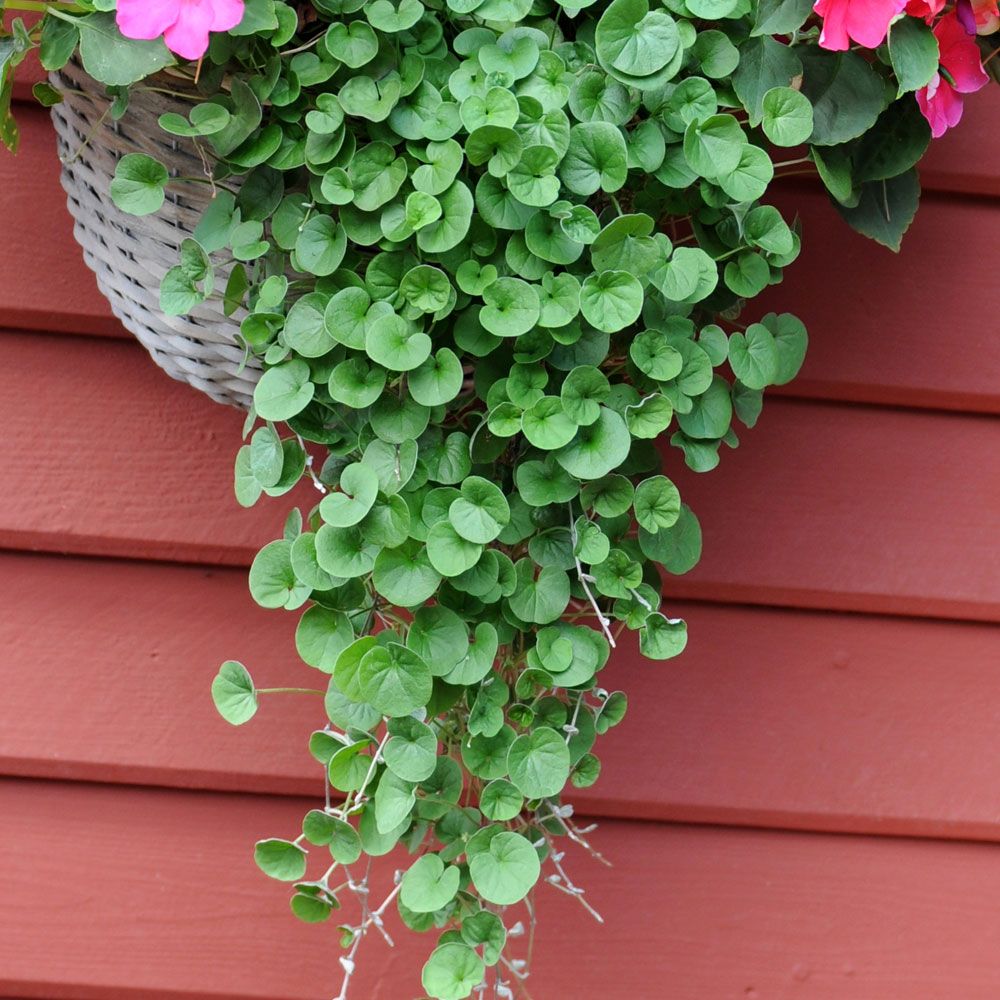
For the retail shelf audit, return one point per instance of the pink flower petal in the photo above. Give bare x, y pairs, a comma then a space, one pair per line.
146, 19
868, 20
940, 105
226, 14
960, 55
188, 35
833, 35
864, 21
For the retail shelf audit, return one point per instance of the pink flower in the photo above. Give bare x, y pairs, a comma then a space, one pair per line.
184, 24
961, 73
865, 21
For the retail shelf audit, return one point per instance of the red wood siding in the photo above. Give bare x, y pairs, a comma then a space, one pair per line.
813, 774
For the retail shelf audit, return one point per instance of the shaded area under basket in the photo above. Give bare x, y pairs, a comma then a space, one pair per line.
130, 255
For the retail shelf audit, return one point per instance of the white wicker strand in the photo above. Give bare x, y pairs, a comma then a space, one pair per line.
130, 255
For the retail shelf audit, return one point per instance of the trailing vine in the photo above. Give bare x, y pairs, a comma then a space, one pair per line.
493, 255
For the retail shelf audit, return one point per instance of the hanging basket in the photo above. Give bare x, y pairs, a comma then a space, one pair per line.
130, 255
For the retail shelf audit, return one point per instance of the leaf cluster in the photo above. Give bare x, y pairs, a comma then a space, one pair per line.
492, 255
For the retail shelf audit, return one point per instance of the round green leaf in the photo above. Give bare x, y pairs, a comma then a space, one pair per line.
394, 679
396, 344
506, 870
281, 859
611, 300
788, 116
480, 513
597, 448
139, 184
357, 493
511, 307
322, 635
283, 391
411, 750
500, 801
538, 763
429, 885
233, 693
657, 503
404, 575
273, 583
452, 971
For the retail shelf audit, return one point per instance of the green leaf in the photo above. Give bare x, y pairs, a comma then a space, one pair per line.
281, 859
677, 549
511, 307
353, 44
598, 448
139, 184
438, 380
394, 679
635, 42
404, 575
283, 391
765, 63
611, 300
500, 801
114, 60
713, 146
440, 637
486, 929
320, 246
542, 599
657, 504
596, 160
662, 638
897, 143
480, 513
397, 344
753, 356
233, 693
411, 750
913, 53
452, 971
394, 801
780, 17
886, 209
358, 490
322, 635
538, 763
273, 583
305, 330
505, 871
428, 885
847, 95
788, 116
710, 414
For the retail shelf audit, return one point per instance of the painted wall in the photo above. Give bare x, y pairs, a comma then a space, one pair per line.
806, 805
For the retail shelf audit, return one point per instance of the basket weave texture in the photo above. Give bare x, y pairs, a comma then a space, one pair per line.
130, 255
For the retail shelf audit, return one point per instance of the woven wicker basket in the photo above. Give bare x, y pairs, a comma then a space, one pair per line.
130, 255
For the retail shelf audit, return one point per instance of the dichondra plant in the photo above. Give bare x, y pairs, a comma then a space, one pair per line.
493, 256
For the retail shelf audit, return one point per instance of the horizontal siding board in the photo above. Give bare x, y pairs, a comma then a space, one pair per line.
46, 284
847, 507
770, 718
851, 508
120, 894
132, 463
914, 329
